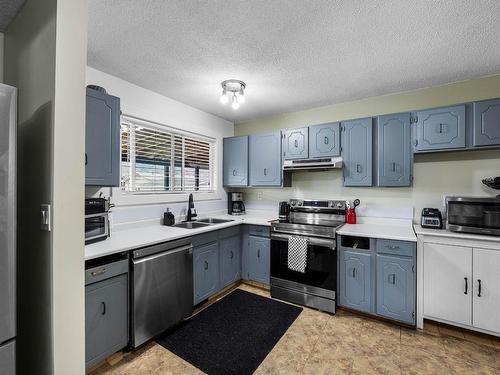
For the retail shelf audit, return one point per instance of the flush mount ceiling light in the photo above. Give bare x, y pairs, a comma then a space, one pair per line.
233, 89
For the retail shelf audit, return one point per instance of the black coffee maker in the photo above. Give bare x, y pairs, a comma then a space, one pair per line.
235, 205
284, 211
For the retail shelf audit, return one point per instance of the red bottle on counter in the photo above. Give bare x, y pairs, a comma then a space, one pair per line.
350, 216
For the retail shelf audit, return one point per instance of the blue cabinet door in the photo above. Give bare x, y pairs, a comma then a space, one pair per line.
394, 150
205, 271
230, 264
295, 143
396, 288
355, 280
265, 159
357, 152
235, 160
487, 123
440, 128
324, 140
102, 139
106, 318
259, 258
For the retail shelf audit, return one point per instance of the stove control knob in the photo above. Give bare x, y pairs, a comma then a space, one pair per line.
331, 204
292, 203
339, 204
300, 203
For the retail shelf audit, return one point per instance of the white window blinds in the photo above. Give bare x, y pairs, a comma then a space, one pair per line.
160, 159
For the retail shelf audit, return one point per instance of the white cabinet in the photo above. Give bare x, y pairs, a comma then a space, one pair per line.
461, 285
447, 282
486, 272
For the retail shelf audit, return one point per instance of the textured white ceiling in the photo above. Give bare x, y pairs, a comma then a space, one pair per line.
293, 54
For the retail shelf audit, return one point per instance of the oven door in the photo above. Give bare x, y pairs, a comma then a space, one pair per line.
476, 215
96, 227
321, 269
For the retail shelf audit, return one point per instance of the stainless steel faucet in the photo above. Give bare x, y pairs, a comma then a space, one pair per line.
191, 212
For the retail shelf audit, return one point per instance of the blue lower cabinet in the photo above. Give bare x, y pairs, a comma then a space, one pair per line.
230, 262
259, 259
106, 318
355, 280
205, 271
396, 288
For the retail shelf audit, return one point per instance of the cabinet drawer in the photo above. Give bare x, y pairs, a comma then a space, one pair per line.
205, 238
106, 271
258, 230
229, 232
396, 247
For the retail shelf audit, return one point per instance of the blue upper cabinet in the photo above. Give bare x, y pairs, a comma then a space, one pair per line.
102, 139
357, 152
394, 150
324, 140
295, 143
440, 129
487, 123
235, 159
265, 159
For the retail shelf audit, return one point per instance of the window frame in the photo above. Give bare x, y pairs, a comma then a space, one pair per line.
171, 192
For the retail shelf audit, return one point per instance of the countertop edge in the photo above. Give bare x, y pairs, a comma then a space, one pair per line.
188, 233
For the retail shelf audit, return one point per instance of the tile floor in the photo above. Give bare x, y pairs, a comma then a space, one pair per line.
319, 343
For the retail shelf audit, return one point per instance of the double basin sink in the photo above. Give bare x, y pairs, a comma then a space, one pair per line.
201, 223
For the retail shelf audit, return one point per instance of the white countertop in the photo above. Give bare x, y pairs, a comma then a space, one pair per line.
134, 235
383, 228
459, 235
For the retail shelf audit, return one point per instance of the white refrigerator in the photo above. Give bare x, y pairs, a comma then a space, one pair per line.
8, 130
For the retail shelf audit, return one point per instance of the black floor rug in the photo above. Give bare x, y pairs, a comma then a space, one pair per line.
232, 336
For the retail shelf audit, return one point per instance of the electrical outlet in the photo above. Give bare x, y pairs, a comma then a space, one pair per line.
259, 195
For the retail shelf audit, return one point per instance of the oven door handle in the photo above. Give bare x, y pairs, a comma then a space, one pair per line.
311, 240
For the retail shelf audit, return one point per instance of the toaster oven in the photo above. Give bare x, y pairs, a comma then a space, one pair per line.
96, 220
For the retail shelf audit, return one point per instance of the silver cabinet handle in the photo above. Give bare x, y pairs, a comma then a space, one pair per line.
479, 288
354, 273
325, 140
440, 128
392, 247
392, 278
103, 308
296, 143
98, 272
234, 172
358, 168
466, 285
232, 254
265, 171
393, 167
206, 265
258, 253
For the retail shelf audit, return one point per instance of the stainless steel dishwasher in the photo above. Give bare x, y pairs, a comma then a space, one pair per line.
162, 290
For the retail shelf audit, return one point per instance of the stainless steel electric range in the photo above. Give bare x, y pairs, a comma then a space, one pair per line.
315, 221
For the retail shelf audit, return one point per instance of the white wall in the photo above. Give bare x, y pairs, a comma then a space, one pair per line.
68, 316
30, 44
2, 38
148, 105
45, 58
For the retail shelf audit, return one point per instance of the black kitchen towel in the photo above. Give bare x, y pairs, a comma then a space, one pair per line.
232, 336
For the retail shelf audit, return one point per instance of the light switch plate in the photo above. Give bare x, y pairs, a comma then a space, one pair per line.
46, 217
